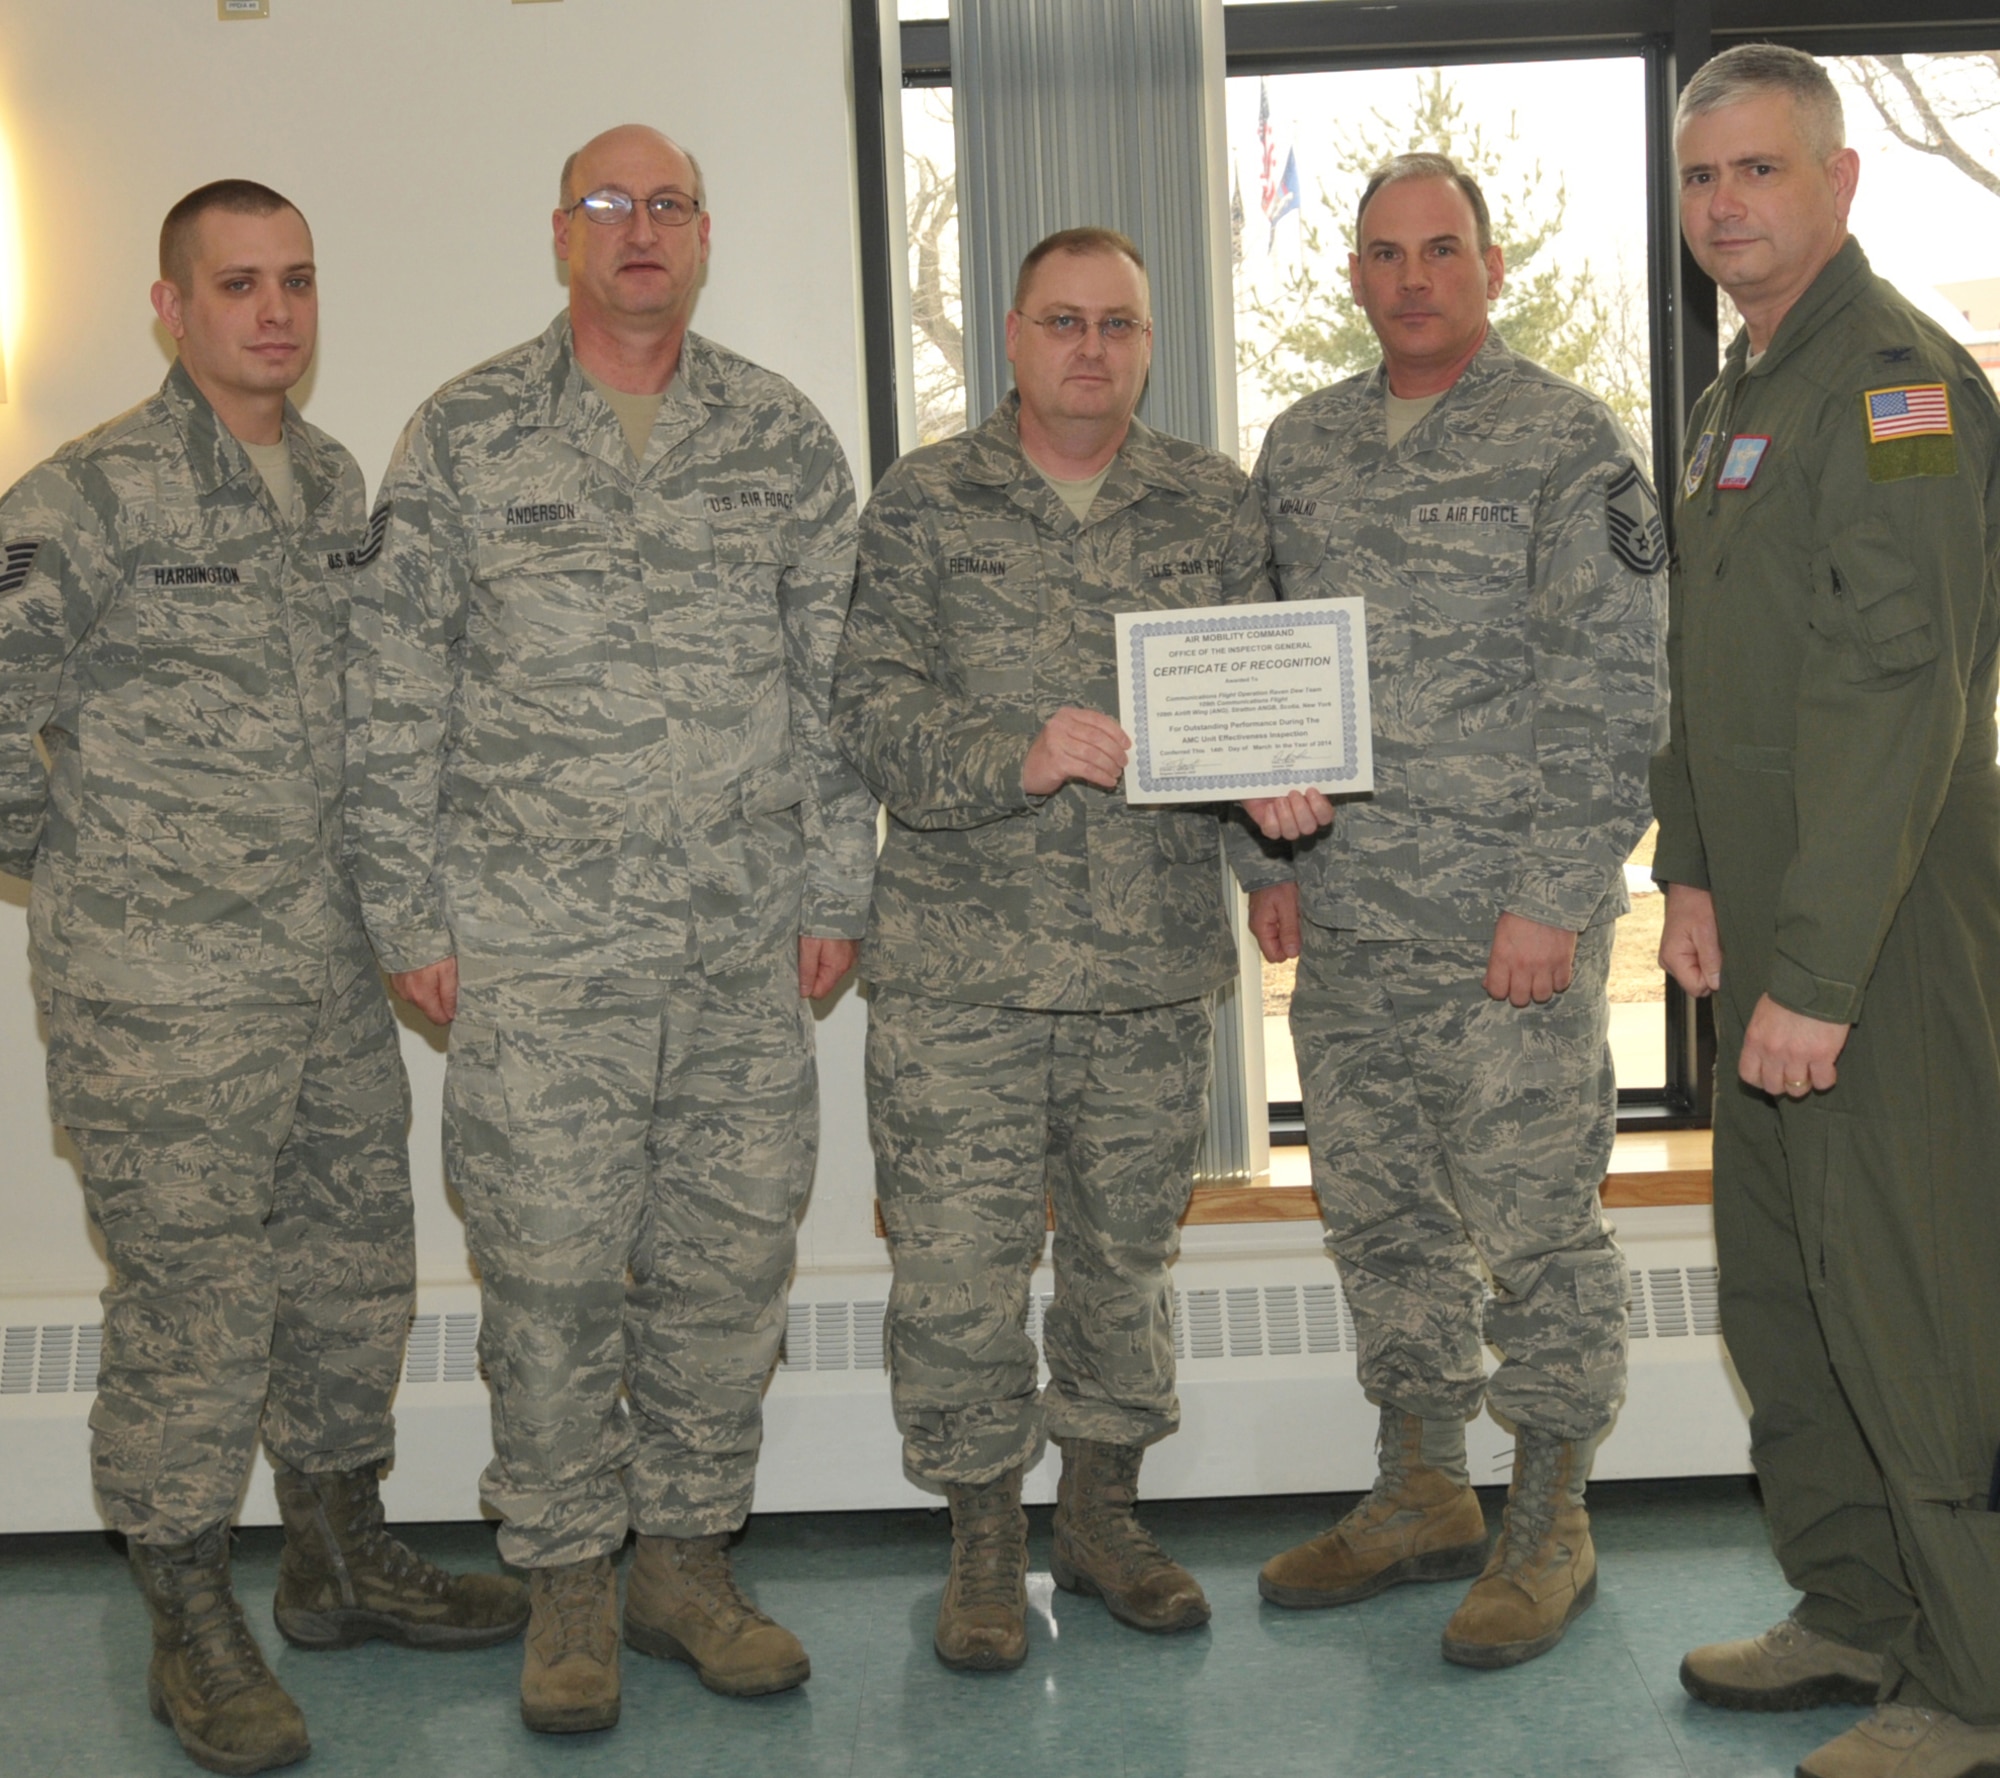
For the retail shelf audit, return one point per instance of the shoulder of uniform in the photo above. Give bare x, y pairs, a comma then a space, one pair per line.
1328, 406
497, 381
918, 477
1883, 339
144, 427
719, 373
1197, 464
1563, 398
335, 455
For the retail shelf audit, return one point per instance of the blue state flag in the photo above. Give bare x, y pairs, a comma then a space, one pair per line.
1285, 199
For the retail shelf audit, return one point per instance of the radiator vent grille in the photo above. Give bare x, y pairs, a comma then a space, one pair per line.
1240, 1321
58, 1359
833, 1337
443, 1348
1670, 1302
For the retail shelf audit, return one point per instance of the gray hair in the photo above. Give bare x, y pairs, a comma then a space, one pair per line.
1752, 68
564, 200
1427, 166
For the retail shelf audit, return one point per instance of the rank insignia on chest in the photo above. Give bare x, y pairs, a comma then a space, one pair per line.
1744, 458
1909, 432
1704, 448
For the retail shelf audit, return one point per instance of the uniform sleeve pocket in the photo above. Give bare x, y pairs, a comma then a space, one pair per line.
1864, 596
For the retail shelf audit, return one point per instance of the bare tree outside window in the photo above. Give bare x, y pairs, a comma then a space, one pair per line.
930, 187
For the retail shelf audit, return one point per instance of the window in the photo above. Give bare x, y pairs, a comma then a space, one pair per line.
930, 207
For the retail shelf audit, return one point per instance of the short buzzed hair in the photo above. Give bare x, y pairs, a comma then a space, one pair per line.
238, 197
1427, 166
1077, 242
1751, 68
565, 201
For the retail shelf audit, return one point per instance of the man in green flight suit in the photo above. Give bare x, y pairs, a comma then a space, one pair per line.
1830, 846
1038, 947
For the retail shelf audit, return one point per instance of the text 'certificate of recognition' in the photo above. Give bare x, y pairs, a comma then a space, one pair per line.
1245, 701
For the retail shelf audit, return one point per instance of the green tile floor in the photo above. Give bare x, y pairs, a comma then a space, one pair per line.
1261, 1693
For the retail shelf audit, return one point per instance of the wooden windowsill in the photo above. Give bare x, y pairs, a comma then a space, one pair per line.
1648, 1169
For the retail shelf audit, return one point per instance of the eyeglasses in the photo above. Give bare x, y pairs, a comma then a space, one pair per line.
610, 208
1073, 330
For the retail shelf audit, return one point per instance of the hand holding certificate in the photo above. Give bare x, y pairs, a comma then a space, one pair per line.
1245, 701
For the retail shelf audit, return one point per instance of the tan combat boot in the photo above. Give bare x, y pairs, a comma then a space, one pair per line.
569, 1662
207, 1677
1543, 1570
343, 1579
1416, 1523
682, 1603
1101, 1548
1906, 1741
982, 1621
1787, 1668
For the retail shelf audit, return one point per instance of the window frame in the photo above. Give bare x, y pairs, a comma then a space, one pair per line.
1307, 36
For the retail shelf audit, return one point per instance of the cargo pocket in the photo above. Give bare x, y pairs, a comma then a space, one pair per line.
1865, 600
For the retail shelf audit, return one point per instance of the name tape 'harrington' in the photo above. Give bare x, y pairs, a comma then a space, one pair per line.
1908, 412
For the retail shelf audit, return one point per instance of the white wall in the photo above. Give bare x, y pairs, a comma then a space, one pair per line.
422, 139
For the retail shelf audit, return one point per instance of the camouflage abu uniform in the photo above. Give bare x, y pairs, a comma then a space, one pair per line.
1510, 553
220, 1047
590, 723
1035, 1029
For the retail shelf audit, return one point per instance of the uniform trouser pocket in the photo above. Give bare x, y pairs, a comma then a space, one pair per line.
249, 1257
1452, 1132
632, 1157
981, 1116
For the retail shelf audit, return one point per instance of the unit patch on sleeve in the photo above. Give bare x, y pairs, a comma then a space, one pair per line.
1697, 466
1742, 461
1631, 515
15, 562
1909, 432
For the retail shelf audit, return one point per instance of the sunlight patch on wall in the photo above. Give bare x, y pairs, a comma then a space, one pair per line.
13, 278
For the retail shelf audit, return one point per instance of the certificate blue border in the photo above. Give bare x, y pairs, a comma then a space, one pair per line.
1239, 623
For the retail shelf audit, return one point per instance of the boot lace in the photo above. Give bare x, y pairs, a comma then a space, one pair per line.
574, 1595
989, 1551
223, 1659
704, 1563
1106, 1515
369, 1546
1529, 1518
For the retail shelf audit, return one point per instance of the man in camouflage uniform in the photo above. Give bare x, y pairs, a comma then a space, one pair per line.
1830, 842
601, 829
173, 611
1450, 1015
1038, 947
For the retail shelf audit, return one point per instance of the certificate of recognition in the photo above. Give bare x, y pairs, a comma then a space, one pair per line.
1242, 701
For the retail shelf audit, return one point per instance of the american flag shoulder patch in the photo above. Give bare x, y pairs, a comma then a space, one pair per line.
1911, 410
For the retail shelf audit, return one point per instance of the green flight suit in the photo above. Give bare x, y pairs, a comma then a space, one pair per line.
1830, 778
